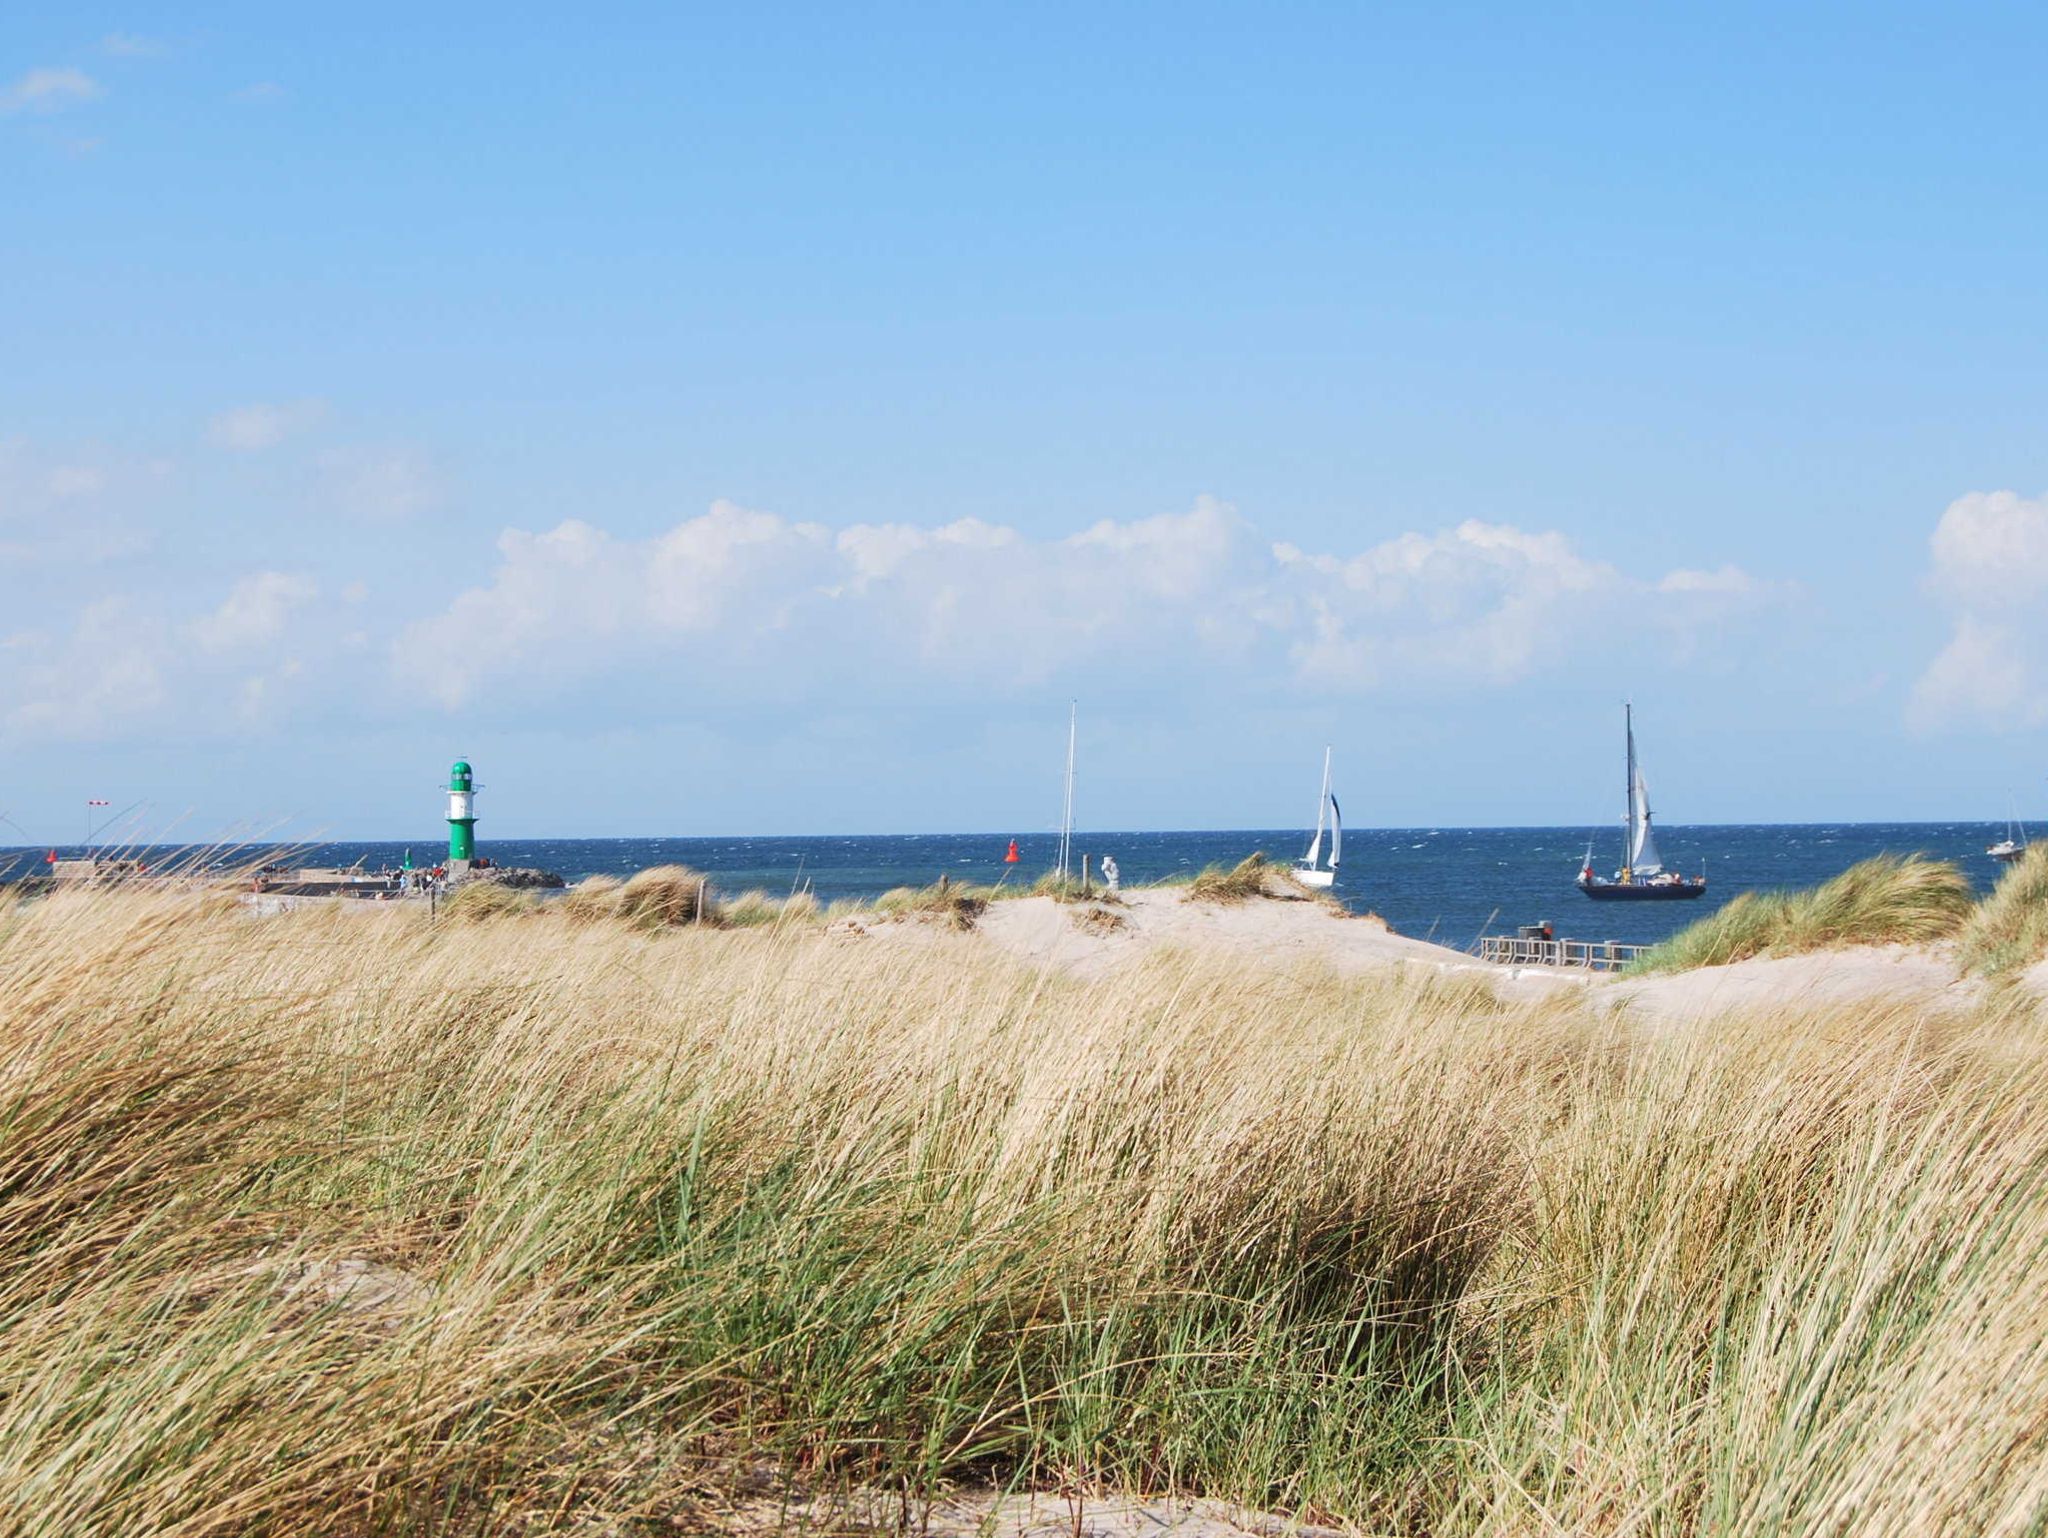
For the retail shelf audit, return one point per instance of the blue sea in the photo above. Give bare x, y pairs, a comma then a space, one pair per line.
1447, 884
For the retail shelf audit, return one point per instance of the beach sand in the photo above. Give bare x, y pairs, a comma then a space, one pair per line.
1093, 940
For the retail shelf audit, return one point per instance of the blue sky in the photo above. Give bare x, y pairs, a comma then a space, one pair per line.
768, 420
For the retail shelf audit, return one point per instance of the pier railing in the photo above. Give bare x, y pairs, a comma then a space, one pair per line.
1590, 955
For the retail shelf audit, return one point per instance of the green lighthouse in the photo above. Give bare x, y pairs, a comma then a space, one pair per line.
461, 816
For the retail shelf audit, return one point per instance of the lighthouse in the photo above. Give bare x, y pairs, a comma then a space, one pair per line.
461, 817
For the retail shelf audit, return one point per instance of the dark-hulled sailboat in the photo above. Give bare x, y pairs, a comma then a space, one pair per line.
1642, 877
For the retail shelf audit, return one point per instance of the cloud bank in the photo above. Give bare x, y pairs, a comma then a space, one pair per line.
1989, 569
1192, 595
751, 612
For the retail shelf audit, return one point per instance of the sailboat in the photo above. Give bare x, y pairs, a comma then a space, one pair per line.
1642, 876
2014, 844
1309, 870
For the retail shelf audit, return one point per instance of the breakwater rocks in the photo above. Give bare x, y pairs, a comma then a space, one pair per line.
520, 878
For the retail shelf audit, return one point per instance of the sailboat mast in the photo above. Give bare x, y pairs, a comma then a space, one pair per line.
1067, 806
1628, 790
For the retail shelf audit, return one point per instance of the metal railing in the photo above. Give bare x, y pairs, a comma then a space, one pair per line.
1591, 955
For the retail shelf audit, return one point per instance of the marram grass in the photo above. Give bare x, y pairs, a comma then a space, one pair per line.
2008, 930
649, 1211
1884, 899
1231, 884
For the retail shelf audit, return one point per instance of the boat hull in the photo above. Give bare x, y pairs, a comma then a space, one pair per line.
1308, 876
1642, 891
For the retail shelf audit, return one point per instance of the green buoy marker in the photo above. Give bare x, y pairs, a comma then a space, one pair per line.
461, 816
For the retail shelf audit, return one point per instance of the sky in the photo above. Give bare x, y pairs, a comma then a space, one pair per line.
768, 419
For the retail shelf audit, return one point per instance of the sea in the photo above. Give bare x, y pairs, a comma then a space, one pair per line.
1449, 885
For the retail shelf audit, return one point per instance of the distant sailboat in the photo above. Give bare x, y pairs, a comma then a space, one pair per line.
1642, 875
1310, 871
2014, 844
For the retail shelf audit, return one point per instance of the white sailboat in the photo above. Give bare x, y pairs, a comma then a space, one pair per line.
1309, 870
2014, 844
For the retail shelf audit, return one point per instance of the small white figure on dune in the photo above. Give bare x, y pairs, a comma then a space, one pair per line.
1109, 872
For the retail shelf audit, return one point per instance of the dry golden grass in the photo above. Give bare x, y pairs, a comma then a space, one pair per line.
950, 902
664, 896
1246, 879
1886, 899
591, 899
2008, 930
632, 1208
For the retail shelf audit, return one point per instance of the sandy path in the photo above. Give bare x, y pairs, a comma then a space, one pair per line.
985, 1514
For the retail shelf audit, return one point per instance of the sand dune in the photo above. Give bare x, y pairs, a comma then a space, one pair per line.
1093, 940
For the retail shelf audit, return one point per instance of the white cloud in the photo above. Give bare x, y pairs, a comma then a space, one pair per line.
262, 424
1485, 601
385, 485
126, 668
1729, 581
57, 509
1989, 568
49, 90
103, 679
783, 606
131, 45
254, 613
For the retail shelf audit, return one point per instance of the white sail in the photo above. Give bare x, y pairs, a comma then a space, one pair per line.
1309, 872
1642, 856
1315, 845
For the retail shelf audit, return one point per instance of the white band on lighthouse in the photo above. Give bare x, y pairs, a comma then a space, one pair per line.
461, 805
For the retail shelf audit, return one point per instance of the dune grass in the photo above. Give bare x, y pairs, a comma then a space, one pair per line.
755, 907
480, 901
1907, 898
2008, 930
1231, 884
949, 901
654, 1210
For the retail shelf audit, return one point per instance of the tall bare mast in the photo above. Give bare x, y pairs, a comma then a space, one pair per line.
1628, 790
1067, 807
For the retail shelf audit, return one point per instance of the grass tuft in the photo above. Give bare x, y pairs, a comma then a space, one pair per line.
665, 897
589, 900
2008, 930
957, 905
1234, 884
480, 901
1098, 919
1885, 899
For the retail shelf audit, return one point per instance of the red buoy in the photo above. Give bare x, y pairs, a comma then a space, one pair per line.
1011, 857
